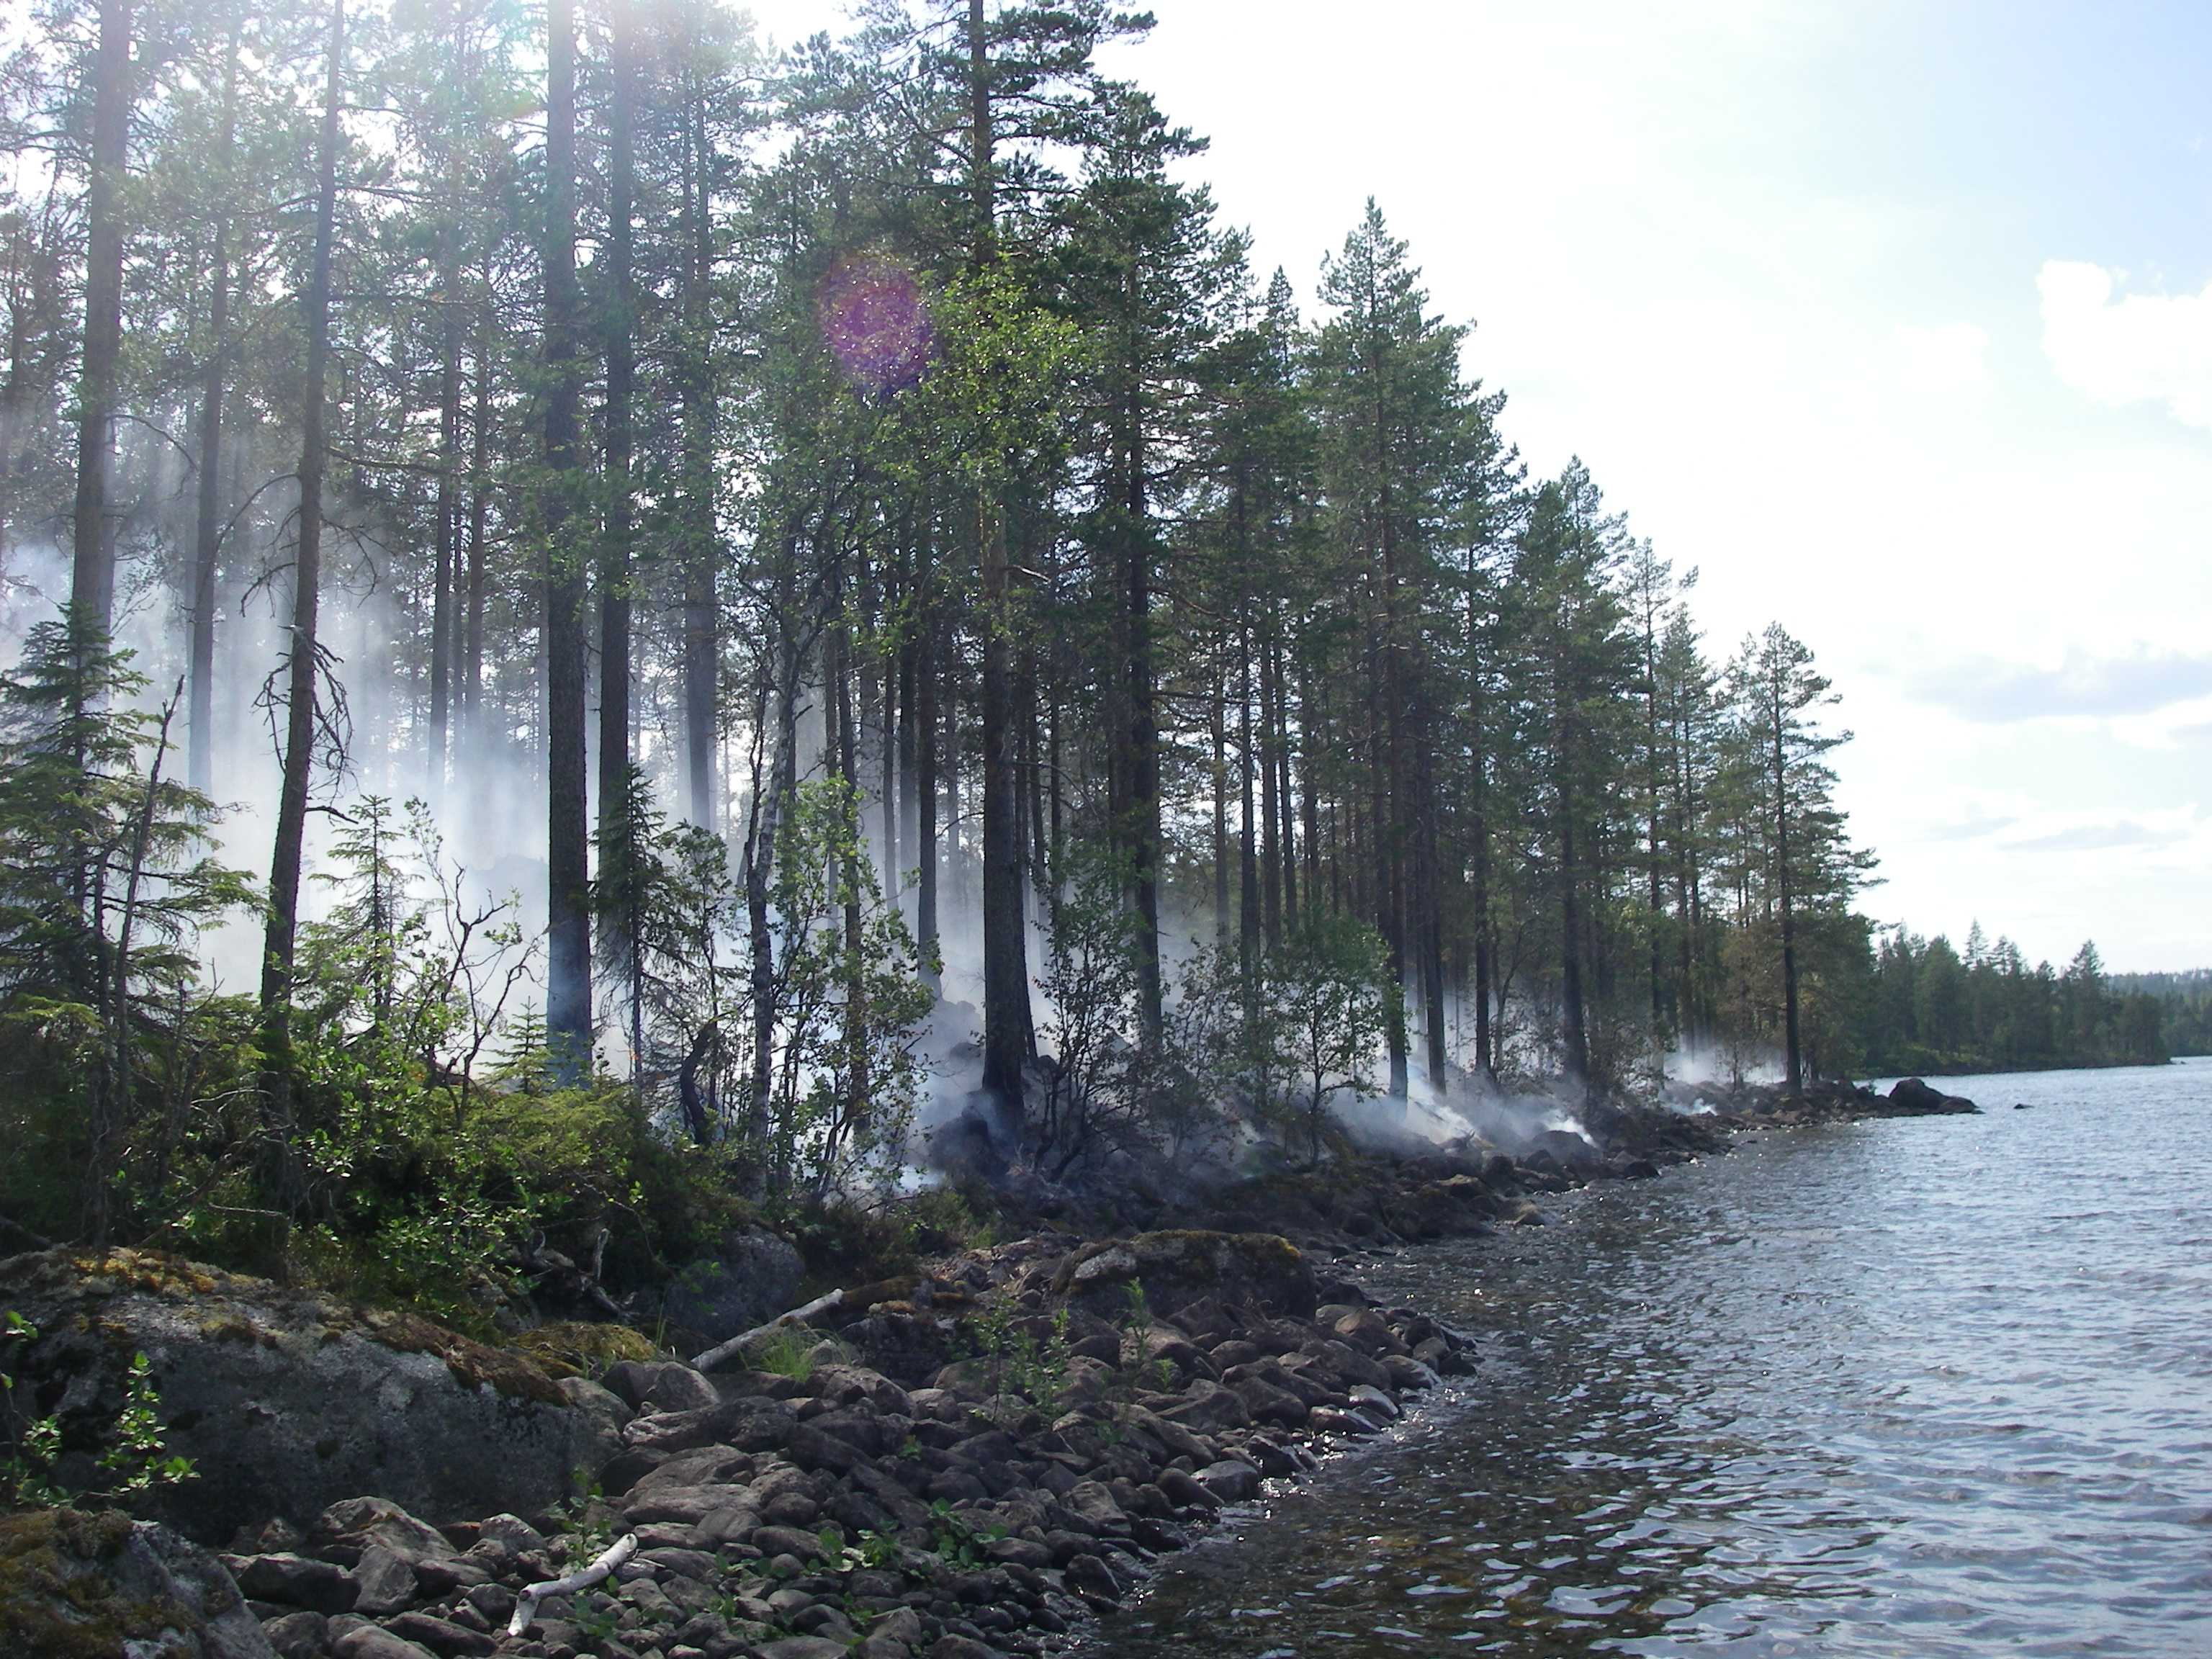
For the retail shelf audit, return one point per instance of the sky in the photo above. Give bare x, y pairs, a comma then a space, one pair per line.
1893, 321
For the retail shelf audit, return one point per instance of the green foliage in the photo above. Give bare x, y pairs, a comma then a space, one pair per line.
105, 880
956, 1541
788, 1351
133, 1457
849, 1005
1293, 1027
1096, 1100
1017, 1360
1138, 1316
873, 1551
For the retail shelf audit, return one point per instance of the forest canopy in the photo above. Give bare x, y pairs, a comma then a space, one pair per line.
852, 542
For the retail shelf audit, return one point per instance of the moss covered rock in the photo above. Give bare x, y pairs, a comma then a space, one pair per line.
80, 1586
286, 1401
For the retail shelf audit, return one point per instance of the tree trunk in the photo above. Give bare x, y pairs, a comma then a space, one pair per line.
207, 530
1573, 1020
701, 649
471, 662
1143, 804
442, 631
618, 828
1432, 939
774, 779
1008, 1041
1247, 849
92, 576
925, 794
1008, 1038
1218, 730
282, 1178
1792, 1034
1270, 861
568, 840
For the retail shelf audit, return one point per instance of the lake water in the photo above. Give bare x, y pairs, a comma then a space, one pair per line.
1920, 1388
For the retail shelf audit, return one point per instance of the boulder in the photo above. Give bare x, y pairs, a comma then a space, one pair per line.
347, 1530
660, 1386
751, 1277
298, 1635
297, 1580
285, 1401
1913, 1097
72, 1583
375, 1641
1229, 1480
1208, 1408
1568, 1151
748, 1423
605, 1414
1175, 1269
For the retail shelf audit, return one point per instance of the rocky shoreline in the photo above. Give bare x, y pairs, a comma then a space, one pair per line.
968, 1464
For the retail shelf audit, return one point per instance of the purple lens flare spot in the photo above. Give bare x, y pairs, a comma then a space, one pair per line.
875, 321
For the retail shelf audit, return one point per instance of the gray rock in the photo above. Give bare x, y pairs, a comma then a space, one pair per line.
143, 1587
1912, 1096
1094, 1503
386, 1583
1231, 1482
1208, 1408
751, 1279
493, 1602
1089, 1576
298, 1636
659, 1385
297, 1580
1177, 1268
786, 1540
899, 1625
748, 1423
952, 1645
845, 1385
375, 1641
689, 1564
440, 1635
350, 1526
1184, 1491
691, 1506
286, 1402
802, 1646
517, 1534
605, 1412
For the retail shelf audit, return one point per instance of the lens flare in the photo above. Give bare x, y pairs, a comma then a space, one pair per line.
875, 321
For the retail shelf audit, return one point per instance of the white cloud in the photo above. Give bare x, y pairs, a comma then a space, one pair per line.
2147, 346
1995, 691
1944, 361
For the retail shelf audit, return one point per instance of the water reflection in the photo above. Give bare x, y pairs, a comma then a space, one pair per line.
1917, 1389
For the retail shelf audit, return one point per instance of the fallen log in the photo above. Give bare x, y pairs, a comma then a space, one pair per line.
582, 1579
722, 1351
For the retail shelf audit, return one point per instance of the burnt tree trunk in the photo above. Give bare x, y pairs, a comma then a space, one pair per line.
281, 1175
568, 839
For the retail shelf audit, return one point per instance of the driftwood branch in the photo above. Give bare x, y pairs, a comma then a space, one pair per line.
39, 1241
721, 1351
582, 1579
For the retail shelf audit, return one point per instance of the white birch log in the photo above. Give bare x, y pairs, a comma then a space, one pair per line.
721, 1351
582, 1579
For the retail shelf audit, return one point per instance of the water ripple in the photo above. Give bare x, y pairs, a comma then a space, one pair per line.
1922, 1389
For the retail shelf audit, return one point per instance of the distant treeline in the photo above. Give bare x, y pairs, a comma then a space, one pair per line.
2184, 1003
1937, 1008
